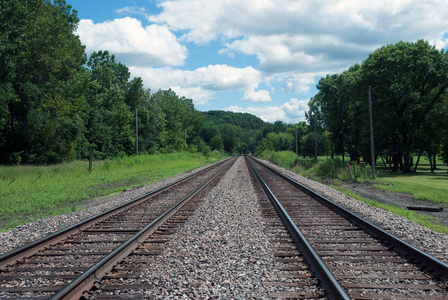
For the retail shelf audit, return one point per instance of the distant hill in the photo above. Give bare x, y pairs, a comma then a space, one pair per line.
243, 120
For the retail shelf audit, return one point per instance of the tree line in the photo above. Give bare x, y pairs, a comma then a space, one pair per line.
408, 83
56, 102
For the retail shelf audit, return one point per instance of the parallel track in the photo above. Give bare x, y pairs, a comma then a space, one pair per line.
65, 264
352, 257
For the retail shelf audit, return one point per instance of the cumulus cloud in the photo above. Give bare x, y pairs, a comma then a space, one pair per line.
300, 36
298, 83
197, 94
201, 83
257, 96
293, 41
292, 111
133, 44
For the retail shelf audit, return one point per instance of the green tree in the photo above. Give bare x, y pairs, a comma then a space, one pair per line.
40, 113
182, 121
230, 135
334, 98
109, 121
408, 80
216, 143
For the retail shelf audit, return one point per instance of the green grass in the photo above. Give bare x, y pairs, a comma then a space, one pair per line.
429, 222
28, 193
422, 185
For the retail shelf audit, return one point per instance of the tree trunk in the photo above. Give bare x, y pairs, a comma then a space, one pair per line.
406, 165
430, 162
407, 142
418, 159
332, 151
384, 162
395, 162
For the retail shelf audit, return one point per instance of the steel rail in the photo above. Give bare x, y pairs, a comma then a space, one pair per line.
328, 281
423, 260
33, 247
85, 281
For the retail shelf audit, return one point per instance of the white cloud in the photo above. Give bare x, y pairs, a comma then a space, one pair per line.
197, 94
306, 35
201, 84
293, 41
290, 112
266, 113
257, 96
136, 10
133, 45
298, 83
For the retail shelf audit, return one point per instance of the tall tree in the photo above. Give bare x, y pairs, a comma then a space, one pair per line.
110, 120
408, 80
335, 96
39, 54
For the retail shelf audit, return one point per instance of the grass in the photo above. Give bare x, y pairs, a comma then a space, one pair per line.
422, 185
429, 222
28, 193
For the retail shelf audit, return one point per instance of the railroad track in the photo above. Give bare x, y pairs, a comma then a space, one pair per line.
352, 258
330, 257
69, 262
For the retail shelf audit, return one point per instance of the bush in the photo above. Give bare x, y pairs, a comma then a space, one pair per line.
330, 168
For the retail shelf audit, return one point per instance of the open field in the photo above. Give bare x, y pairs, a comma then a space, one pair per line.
422, 185
28, 193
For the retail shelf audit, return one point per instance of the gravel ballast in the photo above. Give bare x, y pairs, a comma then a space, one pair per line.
221, 251
222, 245
432, 242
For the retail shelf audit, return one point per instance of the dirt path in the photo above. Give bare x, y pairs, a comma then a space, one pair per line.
366, 190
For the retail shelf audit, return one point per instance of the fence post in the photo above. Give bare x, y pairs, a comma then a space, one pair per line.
90, 159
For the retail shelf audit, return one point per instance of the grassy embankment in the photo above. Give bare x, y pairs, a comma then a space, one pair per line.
422, 185
28, 193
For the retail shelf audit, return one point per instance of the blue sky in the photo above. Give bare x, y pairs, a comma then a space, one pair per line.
258, 56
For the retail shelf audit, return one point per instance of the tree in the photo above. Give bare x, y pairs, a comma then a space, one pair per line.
182, 121
40, 118
408, 80
230, 135
334, 98
216, 143
109, 121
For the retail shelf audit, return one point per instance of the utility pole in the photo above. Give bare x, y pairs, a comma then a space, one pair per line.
136, 132
297, 147
371, 132
315, 139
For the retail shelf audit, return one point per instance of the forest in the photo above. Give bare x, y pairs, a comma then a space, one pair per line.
56, 103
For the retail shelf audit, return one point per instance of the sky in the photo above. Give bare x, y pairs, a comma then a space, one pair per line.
263, 57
